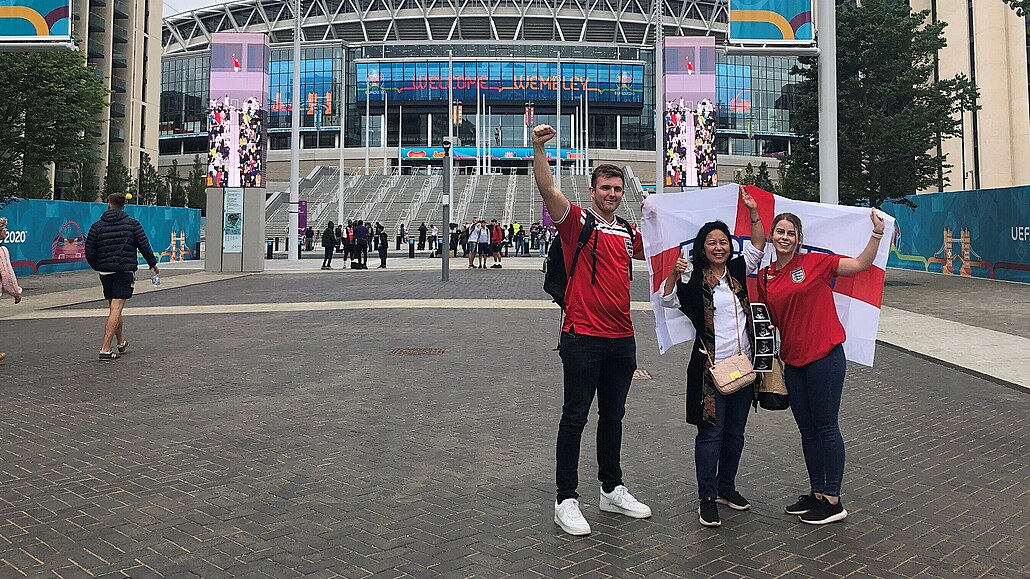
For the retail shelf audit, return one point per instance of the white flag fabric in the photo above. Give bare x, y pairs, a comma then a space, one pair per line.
670, 222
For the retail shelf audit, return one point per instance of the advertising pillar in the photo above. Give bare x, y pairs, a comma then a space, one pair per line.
237, 114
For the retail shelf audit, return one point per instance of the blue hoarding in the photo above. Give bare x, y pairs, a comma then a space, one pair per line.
501, 81
50, 236
983, 233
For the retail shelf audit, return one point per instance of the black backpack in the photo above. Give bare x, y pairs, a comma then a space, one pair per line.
556, 281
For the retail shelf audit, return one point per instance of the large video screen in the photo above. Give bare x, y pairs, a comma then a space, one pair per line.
689, 111
236, 112
501, 81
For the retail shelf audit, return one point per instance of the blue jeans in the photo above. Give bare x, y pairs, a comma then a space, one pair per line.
717, 447
605, 366
815, 392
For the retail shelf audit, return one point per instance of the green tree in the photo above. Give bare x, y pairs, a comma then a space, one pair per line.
175, 184
196, 185
747, 176
117, 178
764, 181
49, 113
84, 183
149, 187
891, 111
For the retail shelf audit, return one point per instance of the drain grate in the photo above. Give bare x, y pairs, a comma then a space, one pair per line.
417, 351
639, 374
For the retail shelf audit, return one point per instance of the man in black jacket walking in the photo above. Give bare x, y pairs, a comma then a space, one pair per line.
111, 247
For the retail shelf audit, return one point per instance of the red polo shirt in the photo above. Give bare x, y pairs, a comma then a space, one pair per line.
800, 301
601, 308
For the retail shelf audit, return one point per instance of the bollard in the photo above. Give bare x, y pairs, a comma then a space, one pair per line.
525, 244
196, 250
268, 252
277, 244
411, 248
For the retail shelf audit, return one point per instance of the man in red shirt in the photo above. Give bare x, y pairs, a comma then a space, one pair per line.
496, 237
597, 348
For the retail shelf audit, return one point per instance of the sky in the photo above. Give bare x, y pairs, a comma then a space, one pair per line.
176, 6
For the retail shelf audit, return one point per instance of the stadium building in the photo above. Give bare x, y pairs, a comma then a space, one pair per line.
380, 64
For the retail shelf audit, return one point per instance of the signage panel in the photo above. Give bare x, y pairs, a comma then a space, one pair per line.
521, 82
771, 21
689, 111
237, 110
35, 20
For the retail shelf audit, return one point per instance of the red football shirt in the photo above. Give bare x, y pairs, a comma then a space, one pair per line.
601, 308
800, 301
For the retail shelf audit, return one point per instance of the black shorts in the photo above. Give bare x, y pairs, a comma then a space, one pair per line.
495, 247
118, 286
483, 249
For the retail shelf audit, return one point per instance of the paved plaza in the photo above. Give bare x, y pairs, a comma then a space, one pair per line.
277, 425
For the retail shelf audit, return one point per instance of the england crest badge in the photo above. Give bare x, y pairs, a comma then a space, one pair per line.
797, 275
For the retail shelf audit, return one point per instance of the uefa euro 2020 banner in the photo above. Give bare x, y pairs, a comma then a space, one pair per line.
771, 22
236, 120
50, 236
35, 20
983, 233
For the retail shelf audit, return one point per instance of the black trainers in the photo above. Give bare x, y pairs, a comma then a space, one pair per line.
123, 348
104, 356
804, 504
708, 513
824, 513
733, 500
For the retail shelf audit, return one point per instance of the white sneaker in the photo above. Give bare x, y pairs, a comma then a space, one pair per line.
620, 501
570, 518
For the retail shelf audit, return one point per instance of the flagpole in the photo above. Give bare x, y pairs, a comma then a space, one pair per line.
659, 96
557, 128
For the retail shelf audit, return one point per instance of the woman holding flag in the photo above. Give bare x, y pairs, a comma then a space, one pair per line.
715, 300
798, 291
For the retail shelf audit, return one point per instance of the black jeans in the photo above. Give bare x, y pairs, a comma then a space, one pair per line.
605, 366
815, 393
328, 259
717, 447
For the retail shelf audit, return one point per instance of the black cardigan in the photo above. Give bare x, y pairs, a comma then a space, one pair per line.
692, 305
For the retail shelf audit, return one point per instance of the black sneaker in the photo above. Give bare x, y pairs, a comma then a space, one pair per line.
804, 504
104, 356
824, 513
123, 348
708, 513
733, 500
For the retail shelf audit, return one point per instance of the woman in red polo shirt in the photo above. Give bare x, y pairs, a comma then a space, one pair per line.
798, 291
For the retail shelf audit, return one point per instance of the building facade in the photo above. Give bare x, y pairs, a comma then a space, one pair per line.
380, 68
122, 42
989, 43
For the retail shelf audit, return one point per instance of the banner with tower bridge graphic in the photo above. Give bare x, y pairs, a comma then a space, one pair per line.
984, 233
50, 236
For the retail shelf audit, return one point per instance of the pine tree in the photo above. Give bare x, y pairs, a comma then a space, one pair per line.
117, 179
149, 188
175, 183
196, 185
764, 181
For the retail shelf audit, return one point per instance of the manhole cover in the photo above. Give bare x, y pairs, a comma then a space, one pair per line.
639, 374
417, 351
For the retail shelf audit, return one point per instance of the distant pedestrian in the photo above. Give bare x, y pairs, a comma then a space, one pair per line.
309, 236
434, 235
381, 236
328, 244
423, 231
362, 237
496, 238
8, 281
111, 247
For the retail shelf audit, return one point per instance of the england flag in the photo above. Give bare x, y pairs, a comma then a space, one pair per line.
671, 220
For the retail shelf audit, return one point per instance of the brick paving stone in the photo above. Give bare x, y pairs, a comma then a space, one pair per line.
242, 446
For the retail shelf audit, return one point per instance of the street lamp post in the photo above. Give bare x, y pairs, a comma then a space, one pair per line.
445, 199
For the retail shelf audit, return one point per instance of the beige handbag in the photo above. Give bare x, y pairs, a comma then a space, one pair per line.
734, 372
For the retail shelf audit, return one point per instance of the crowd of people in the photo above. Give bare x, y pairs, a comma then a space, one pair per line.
690, 144
242, 156
354, 240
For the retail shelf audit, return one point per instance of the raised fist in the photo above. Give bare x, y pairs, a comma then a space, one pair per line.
543, 133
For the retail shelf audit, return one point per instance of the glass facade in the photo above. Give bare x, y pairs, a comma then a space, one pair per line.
754, 98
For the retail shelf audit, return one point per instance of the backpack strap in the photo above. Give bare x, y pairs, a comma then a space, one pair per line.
584, 237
